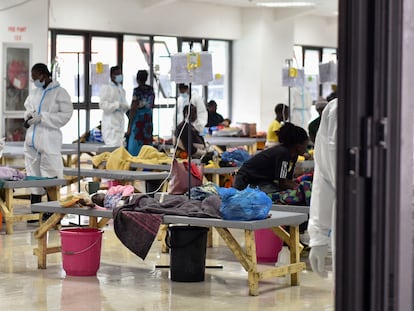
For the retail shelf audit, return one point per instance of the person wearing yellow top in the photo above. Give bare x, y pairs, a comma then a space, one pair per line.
282, 114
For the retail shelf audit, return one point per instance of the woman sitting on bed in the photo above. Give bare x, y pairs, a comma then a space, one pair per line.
272, 169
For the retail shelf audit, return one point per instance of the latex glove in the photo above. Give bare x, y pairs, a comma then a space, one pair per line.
317, 258
36, 118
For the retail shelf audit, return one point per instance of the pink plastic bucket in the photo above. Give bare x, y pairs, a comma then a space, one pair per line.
268, 245
81, 251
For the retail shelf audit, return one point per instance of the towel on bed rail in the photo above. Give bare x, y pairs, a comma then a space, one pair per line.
136, 224
179, 205
136, 230
121, 159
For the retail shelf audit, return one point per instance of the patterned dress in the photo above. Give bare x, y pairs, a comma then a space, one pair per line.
140, 119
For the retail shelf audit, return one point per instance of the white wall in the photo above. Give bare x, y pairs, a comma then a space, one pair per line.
258, 58
316, 31
129, 16
259, 55
30, 22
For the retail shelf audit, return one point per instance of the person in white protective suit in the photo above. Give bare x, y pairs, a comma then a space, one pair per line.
114, 105
197, 101
48, 108
321, 227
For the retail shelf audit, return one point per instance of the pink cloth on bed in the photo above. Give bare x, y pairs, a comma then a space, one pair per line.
125, 190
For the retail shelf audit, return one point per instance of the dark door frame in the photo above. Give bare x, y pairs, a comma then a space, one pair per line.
374, 223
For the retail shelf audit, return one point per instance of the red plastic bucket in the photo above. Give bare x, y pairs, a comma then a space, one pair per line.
81, 251
268, 245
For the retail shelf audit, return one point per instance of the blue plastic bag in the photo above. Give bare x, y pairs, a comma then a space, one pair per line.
247, 204
238, 156
95, 136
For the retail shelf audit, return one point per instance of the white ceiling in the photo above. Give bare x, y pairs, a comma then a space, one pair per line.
322, 7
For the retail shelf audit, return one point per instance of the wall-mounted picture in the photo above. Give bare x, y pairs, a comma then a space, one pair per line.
17, 62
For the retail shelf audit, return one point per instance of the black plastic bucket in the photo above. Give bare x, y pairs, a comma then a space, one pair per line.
187, 253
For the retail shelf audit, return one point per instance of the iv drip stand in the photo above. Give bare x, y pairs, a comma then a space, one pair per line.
189, 142
289, 65
78, 113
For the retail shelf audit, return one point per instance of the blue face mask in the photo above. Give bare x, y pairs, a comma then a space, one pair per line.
39, 84
184, 96
118, 78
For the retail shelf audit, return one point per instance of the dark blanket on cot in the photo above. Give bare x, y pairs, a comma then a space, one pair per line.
136, 224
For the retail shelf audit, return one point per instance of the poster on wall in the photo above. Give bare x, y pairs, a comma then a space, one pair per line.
17, 67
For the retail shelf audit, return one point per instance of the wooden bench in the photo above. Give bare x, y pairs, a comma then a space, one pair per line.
114, 174
52, 187
250, 143
290, 208
94, 148
121, 175
209, 171
214, 172
246, 256
91, 149
15, 151
160, 196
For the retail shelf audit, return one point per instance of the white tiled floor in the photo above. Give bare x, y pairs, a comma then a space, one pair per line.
126, 282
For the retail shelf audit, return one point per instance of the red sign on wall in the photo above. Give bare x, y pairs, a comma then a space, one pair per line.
18, 30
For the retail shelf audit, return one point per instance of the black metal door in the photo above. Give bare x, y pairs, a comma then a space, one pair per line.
374, 223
